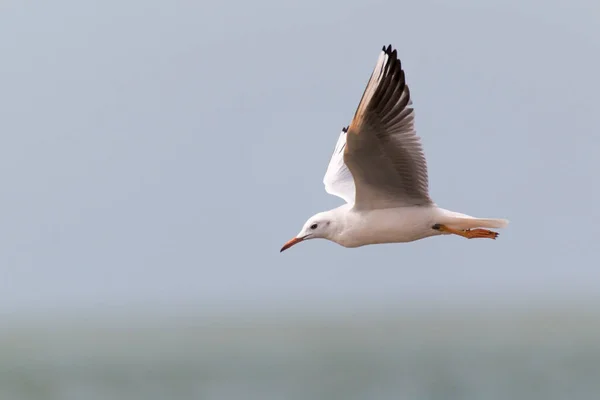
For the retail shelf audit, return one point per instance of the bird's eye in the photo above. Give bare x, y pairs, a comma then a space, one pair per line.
313, 226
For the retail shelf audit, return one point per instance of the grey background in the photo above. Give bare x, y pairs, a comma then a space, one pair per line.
156, 155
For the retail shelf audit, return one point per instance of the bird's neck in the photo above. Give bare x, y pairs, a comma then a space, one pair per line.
344, 220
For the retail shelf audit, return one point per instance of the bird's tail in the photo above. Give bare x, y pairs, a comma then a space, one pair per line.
463, 221
470, 223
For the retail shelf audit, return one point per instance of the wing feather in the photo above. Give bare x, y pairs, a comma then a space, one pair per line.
383, 152
338, 179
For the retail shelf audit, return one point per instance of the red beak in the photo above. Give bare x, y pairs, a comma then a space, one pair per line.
290, 243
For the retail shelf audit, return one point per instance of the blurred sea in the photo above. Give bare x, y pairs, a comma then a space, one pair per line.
385, 356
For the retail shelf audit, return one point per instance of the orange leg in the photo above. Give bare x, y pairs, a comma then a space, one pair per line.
469, 233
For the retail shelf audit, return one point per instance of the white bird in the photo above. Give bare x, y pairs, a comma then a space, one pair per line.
379, 169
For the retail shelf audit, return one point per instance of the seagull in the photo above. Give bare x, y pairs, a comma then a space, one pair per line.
378, 167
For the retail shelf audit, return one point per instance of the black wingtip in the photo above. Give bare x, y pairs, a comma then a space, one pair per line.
345, 129
393, 55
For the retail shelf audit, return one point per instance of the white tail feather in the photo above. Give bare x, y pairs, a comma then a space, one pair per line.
471, 223
462, 221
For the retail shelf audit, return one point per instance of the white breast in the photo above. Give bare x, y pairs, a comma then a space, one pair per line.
391, 225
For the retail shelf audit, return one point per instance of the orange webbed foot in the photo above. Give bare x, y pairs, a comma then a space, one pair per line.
468, 233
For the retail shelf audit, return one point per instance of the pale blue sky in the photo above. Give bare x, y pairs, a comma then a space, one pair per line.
158, 154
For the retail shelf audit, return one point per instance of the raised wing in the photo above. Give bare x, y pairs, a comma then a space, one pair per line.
338, 179
383, 151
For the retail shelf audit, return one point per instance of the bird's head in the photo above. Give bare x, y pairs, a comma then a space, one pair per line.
320, 225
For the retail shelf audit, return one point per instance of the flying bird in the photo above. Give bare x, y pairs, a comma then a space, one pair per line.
378, 167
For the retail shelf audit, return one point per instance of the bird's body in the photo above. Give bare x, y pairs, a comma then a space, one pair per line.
355, 228
378, 167
389, 225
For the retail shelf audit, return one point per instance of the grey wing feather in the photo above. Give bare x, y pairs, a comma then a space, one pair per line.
383, 151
